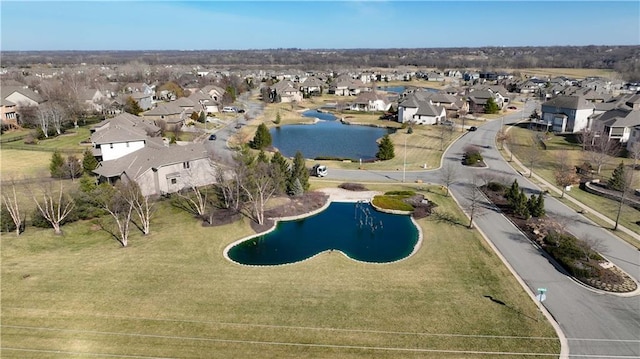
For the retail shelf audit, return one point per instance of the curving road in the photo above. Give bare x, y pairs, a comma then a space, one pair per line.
596, 324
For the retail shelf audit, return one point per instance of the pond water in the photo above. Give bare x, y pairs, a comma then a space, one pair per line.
328, 138
401, 89
355, 229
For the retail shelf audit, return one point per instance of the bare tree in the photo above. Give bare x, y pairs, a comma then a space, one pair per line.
501, 137
600, 151
448, 175
259, 187
194, 200
532, 153
626, 186
565, 173
55, 206
113, 200
141, 204
229, 185
474, 196
13, 207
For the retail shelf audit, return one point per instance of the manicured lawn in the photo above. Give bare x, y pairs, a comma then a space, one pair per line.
545, 168
19, 164
172, 294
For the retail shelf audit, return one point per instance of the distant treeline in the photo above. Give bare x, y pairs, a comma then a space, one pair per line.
623, 59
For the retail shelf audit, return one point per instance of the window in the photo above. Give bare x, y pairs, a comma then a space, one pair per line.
111, 145
127, 144
174, 180
186, 165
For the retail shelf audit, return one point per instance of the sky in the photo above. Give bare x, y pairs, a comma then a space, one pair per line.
239, 25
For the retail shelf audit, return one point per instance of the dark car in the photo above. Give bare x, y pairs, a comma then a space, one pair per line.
212, 137
241, 110
238, 126
473, 128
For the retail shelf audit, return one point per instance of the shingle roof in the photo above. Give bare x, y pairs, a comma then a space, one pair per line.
427, 109
6, 91
620, 118
570, 102
138, 162
164, 109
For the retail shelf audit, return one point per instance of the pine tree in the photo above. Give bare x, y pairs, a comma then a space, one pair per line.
618, 181
281, 171
299, 171
89, 162
491, 106
56, 166
262, 157
132, 107
262, 138
512, 193
296, 188
538, 210
520, 207
385, 149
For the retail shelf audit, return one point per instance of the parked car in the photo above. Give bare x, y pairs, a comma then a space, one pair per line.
319, 170
238, 126
512, 108
241, 110
213, 137
473, 128
229, 109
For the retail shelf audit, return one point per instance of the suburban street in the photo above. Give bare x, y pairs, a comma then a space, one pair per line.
595, 324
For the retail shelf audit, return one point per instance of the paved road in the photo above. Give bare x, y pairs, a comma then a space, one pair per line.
596, 324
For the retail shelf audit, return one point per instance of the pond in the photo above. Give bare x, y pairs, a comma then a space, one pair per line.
355, 229
328, 138
401, 89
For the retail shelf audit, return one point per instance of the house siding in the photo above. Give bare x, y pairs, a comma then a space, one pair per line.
159, 180
112, 151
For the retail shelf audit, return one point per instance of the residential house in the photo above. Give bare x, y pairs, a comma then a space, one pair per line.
162, 170
215, 92
166, 114
370, 101
286, 91
204, 101
567, 114
92, 99
8, 115
21, 96
418, 108
145, 101
619, 123
312, 86
478, 99
119, 136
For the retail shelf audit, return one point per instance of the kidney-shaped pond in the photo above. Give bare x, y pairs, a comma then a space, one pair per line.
356, 229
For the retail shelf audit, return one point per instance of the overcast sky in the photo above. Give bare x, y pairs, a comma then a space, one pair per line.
221, 25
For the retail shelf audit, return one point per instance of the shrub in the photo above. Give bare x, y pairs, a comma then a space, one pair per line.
353, 186
472, 158
400, 193
495, 186
391, 202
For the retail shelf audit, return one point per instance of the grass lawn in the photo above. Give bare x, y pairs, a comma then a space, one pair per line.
19, 164
172, 294
545, 165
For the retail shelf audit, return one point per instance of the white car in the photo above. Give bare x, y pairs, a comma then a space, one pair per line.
320, 170
229, 109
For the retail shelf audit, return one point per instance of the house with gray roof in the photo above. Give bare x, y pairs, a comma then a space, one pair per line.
21, 96
370, 101
8, 115
567, 114
618, 123
163, 170
126, 133
418, 108
166, 113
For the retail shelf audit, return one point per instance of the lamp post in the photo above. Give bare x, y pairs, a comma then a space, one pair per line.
404, 163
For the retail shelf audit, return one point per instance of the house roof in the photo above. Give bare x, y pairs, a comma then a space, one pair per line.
6, 91
184, 102
118, 134
87, 94
620, 118
570, 102
164, 109
427, 109
137, 163
127, 120
370, 96
6, 102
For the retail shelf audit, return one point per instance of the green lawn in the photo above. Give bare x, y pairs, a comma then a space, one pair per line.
172, 294
19, 164
545, 165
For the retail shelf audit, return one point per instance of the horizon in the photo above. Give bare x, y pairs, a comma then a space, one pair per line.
313, 25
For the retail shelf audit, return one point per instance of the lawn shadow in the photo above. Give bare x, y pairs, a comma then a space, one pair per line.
499, 302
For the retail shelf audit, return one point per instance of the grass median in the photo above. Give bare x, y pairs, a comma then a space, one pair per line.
172, 294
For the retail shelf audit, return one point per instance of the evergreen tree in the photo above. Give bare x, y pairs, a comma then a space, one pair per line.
537, 208
512, 193
132, 107
520, 207
618, 181
262, 138
296, 188
278, 119
89, 162
491, 106
87, 183
299, 171
56, 166
385, 149
262, 157
281, 171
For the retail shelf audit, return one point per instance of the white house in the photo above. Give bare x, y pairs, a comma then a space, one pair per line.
119, 136
567, 114
418, 108
370, 101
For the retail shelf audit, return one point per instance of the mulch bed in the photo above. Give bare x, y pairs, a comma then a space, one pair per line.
295, 206
608, 279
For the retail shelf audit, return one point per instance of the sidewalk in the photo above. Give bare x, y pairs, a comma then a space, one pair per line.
551, 187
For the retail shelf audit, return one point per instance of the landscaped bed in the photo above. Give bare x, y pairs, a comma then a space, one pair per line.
576, 256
